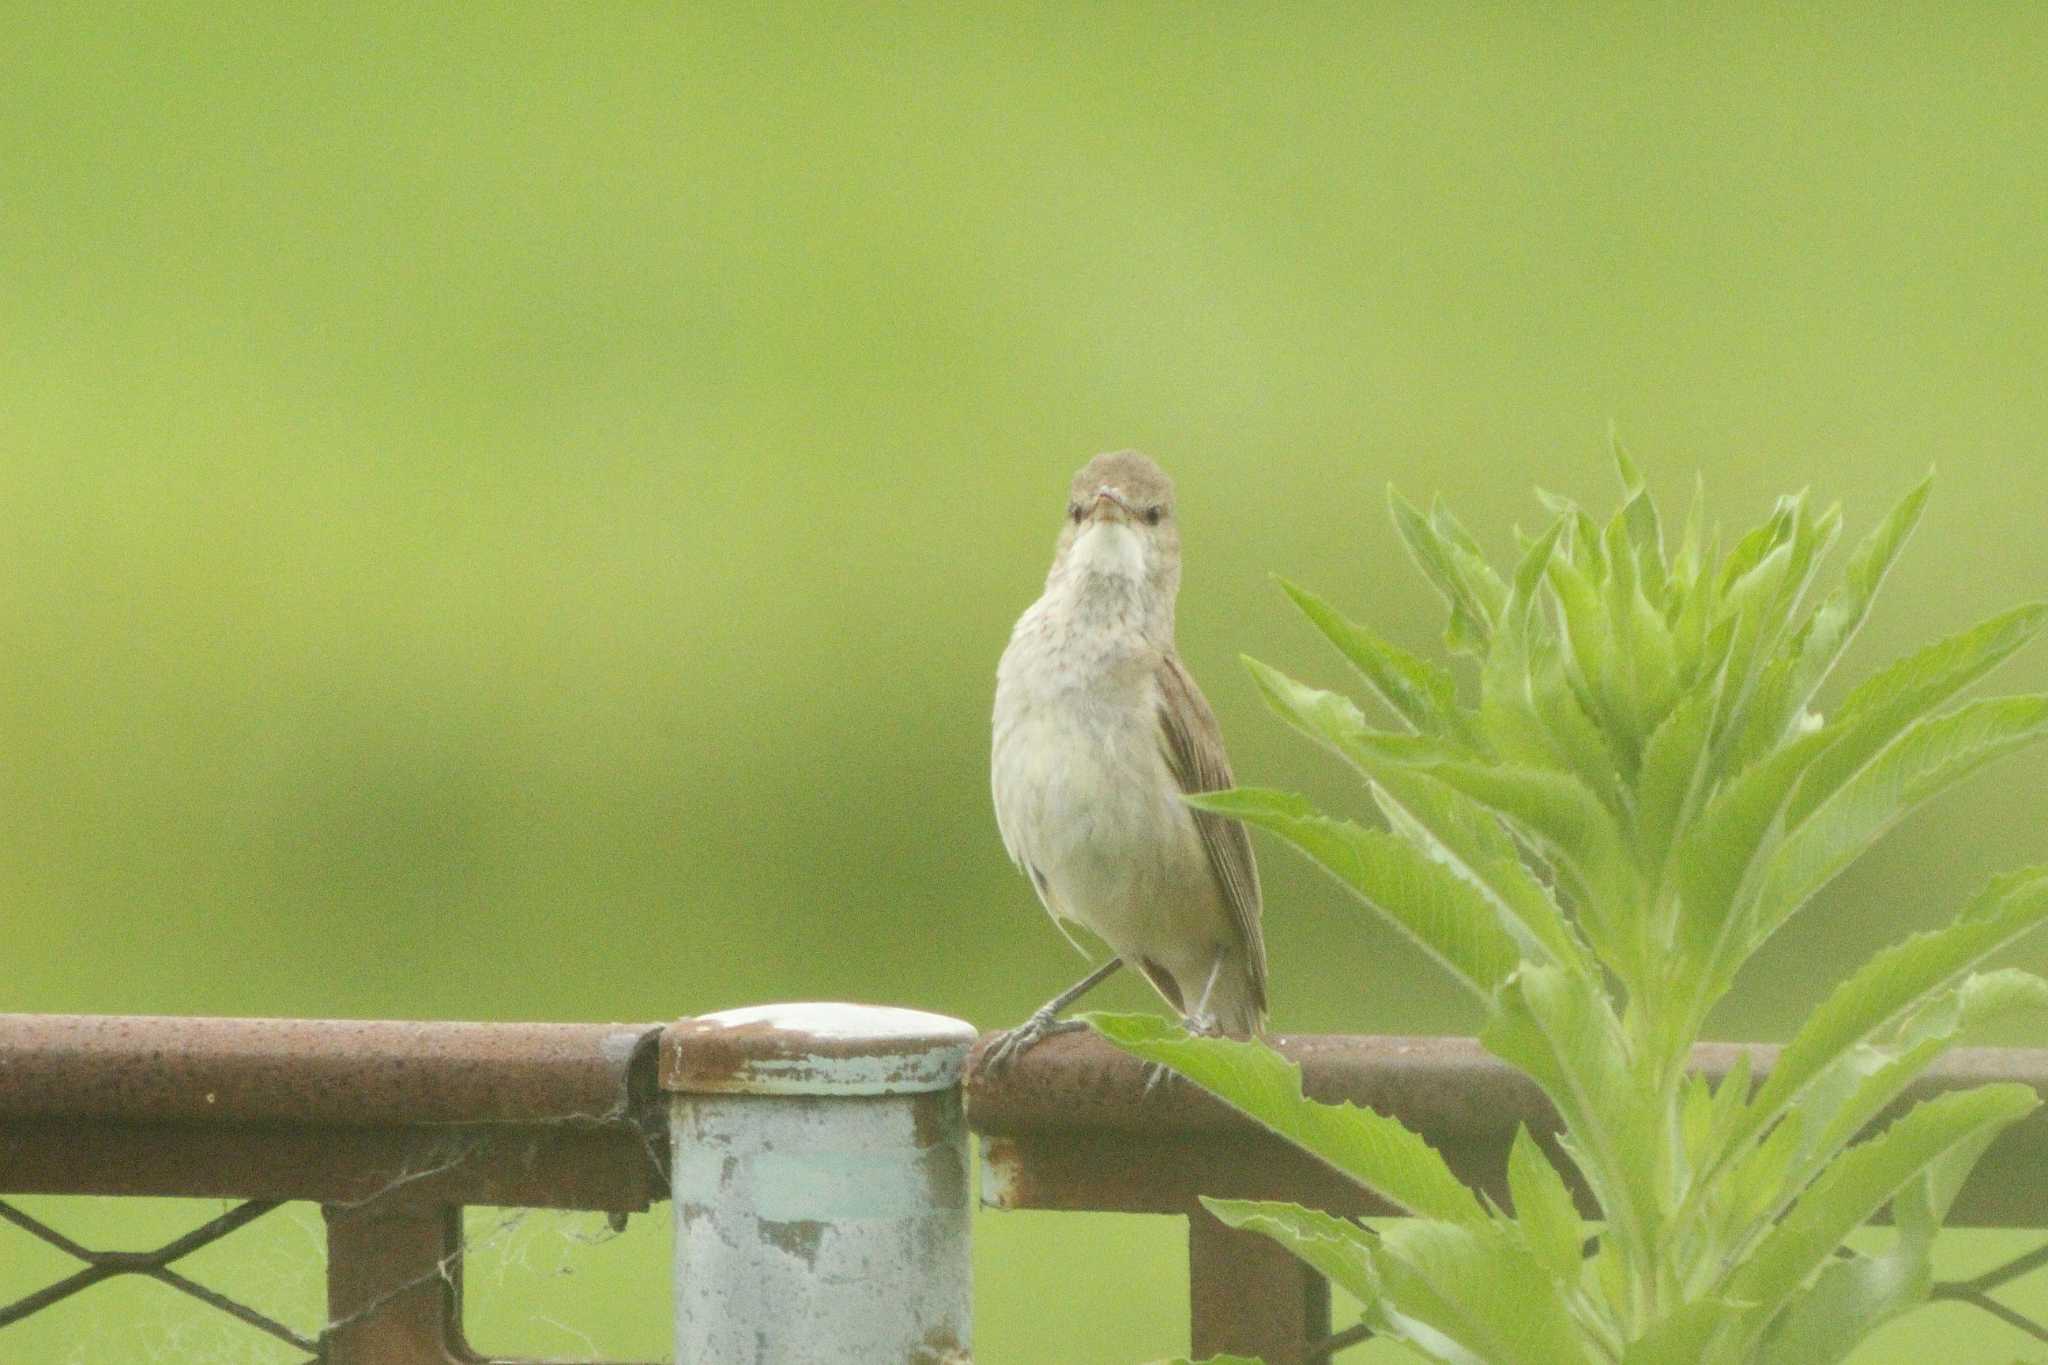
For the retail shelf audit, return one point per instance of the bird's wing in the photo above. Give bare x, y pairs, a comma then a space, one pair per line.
1194, 751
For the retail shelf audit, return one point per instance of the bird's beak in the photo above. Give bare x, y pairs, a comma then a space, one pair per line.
1109, 505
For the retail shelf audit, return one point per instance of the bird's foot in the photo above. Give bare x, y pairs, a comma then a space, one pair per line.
1160, 1078
1003, 1053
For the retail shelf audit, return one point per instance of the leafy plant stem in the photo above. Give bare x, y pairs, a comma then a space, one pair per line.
1638, 799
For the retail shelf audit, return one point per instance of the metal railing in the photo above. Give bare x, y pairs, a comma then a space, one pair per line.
392, 1128
820, 1178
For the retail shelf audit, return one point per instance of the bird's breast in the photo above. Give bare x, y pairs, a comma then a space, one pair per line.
1082, 790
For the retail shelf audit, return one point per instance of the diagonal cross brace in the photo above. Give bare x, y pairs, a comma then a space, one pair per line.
104, 1265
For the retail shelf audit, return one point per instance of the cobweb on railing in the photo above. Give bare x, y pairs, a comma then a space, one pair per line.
536, 1282
266, 1265
567, 1285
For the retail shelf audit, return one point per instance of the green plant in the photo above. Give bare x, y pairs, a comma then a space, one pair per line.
1640, 797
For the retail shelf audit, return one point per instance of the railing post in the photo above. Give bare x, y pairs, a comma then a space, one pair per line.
394, 1285
1248, 1295
819, 1175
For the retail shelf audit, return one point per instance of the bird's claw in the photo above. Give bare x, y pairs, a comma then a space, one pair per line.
1003, 1053
1159, 1076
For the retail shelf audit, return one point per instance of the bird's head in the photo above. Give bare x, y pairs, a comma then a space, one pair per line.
1120, 524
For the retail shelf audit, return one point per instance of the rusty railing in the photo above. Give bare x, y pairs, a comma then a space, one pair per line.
391, 1127
813, 1144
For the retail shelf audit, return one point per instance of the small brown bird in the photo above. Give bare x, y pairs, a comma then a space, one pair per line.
1099, 731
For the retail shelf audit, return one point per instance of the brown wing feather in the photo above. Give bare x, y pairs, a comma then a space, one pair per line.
1194, 750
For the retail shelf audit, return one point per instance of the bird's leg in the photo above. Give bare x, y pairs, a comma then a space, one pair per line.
1044, 1022
1198, 1020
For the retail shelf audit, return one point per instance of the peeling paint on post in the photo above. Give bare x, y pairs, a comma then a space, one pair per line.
821, 1187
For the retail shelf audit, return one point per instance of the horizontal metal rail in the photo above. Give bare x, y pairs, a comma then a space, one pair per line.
394, 1127
391, 1126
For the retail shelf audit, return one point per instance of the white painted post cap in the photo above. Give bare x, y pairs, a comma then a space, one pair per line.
815, 1048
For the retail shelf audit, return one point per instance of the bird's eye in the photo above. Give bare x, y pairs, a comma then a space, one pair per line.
1152, 515
1074, 512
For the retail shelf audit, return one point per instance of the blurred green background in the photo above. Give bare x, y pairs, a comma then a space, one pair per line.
511, 511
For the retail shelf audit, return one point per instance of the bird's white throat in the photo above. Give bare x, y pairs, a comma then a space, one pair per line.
1107, 549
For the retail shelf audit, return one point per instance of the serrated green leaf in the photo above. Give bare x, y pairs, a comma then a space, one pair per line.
1754, 1189
1505, 672
1698, 610
1730, 1099
1656, 661
1625, 685
1577, 743
1758, 543
1875, 713
1646, 534
1340, 1250
1526, 709
1893, 982
1928, 758
1837, 1108
1544, 1212
1418, 691
1850, 1299
1486, 585
1671, 779
1686, 1335
1756, 704
1853, 1090
1587, 640
1440, 911
1696, 1114
1768, 716
1329, 718
1554, 811
1557, 504
1530, 570
1464, 836
1861, 1182
1624, 465
1827, 634
1468, 585
1376, 1151
1561, 1032
1685, 563
1560, 813
1429, 1272
1608, 1277
1718, 859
